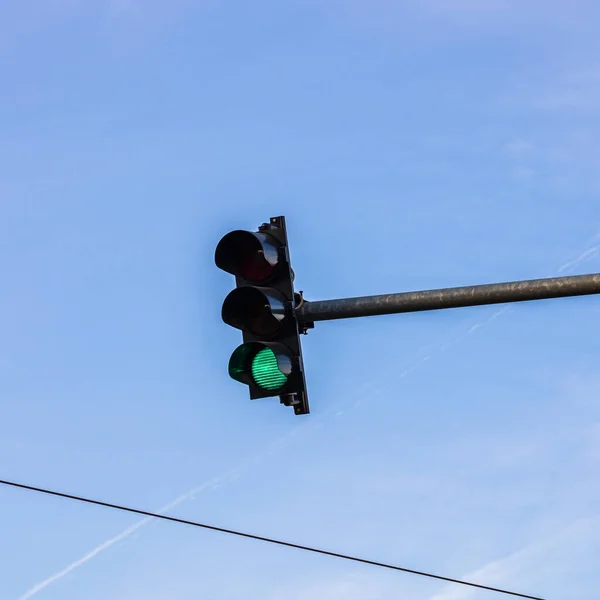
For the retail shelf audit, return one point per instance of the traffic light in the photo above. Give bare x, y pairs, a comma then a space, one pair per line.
262, 306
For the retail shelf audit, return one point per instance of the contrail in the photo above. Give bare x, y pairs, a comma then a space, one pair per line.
230, 475
38, 587
582, 531
234, 473
589, 253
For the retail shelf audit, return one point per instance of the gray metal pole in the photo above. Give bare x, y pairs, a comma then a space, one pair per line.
473, 295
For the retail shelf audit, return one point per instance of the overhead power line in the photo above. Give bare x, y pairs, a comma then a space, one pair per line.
261, 538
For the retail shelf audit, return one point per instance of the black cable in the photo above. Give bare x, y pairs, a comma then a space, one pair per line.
261, 538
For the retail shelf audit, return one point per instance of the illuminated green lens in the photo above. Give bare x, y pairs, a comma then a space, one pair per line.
265, 370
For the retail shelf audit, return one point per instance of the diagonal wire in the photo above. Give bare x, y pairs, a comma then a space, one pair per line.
592, 248
260, 538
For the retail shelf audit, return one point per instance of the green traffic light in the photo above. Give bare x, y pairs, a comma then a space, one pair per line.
265, 366
265, 370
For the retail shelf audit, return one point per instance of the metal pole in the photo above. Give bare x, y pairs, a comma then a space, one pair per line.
473, 295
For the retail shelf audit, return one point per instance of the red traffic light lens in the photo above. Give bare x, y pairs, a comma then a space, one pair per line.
255, 268
251, 256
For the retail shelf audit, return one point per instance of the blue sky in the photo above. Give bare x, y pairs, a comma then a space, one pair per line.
410, 145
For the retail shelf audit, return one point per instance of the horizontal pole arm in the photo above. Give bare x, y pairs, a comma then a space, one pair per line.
473, 295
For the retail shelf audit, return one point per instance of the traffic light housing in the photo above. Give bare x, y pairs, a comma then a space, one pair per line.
263, 307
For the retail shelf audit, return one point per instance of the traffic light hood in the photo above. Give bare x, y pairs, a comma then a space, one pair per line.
255, 310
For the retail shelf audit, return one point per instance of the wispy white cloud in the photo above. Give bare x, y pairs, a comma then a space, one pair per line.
449, 18
578, 89
528, 567
519, 149
469, 6
574, 89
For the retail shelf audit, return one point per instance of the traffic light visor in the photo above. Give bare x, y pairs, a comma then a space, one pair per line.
265, 365
256, 310
251, 256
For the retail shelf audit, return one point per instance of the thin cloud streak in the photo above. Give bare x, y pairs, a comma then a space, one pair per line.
214, 483
38, 587
526, 559
587, 255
